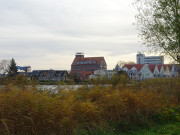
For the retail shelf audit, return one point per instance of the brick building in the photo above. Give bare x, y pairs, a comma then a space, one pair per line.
85, 66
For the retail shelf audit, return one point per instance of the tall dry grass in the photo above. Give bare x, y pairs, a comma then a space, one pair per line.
30, 111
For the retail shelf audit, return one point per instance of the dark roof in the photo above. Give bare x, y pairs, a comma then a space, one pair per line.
52, 72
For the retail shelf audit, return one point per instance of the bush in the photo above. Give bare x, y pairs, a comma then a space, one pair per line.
89, 109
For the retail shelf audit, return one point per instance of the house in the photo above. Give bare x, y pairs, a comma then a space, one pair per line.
154, 69
133, 71
161, 70
47, 75
173, 70
117, 68
145, 71
103, 73
85, 66
166, 71
177, 69
138, 71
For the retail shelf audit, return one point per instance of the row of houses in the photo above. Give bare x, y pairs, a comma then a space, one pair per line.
49, 75
44, 75
93, 67
146, 71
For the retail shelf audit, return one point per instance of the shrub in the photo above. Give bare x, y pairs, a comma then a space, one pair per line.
89, 109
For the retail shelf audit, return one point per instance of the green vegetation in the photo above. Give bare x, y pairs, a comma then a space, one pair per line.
94, 109
166, 129
12, 71
158, 23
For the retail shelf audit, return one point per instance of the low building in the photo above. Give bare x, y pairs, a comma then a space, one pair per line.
103, 73
146, 71
48, 75
138, 71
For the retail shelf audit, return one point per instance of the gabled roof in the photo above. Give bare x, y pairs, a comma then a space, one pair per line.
128, 66
117, 67
97, 59
165, 67
169, 66
50, 72
137, 66
159, 67
151, 67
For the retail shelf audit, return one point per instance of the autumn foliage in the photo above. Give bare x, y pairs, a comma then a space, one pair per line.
31, 111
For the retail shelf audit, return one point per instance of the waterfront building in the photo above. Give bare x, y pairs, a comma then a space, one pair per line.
85, 66
147, 71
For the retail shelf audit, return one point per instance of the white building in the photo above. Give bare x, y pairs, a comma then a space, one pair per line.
147, 71
138, 71
154, 69
103, 73
142, 59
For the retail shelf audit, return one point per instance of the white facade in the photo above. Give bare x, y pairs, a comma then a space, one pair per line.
145, 71
140, 58
173, 72
166, 71
105, 73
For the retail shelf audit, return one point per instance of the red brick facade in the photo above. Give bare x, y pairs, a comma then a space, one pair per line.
87, 65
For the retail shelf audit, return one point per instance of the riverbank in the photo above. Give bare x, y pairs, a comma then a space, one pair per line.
96, 109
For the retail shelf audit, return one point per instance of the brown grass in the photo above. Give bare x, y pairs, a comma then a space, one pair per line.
26, 110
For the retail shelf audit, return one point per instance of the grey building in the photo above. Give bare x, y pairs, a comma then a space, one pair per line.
142, 59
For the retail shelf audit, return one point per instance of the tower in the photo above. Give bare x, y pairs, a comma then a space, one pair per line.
79, 55
140, 58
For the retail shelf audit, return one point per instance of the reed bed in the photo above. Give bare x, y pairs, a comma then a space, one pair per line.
26, 110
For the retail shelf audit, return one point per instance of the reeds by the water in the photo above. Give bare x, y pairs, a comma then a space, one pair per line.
27, 110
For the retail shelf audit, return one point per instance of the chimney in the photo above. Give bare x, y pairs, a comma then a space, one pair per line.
79, 55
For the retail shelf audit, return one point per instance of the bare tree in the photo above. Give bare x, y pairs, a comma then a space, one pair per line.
122, 63
4, 66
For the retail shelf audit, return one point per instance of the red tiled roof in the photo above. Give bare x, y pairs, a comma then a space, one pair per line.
137, 66
151, 67
159, 67
165, 67
128, 66
170, 66
97, 59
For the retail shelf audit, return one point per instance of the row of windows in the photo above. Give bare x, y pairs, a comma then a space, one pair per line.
84, 69
85, 66
86, 62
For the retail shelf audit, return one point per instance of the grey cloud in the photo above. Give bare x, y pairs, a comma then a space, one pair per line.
31, 29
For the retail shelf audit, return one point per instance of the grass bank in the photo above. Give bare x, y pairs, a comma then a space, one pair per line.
97, 109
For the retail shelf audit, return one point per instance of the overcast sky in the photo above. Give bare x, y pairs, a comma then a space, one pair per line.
46, 34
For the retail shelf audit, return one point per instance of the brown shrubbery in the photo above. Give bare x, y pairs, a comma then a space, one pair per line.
27, 110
